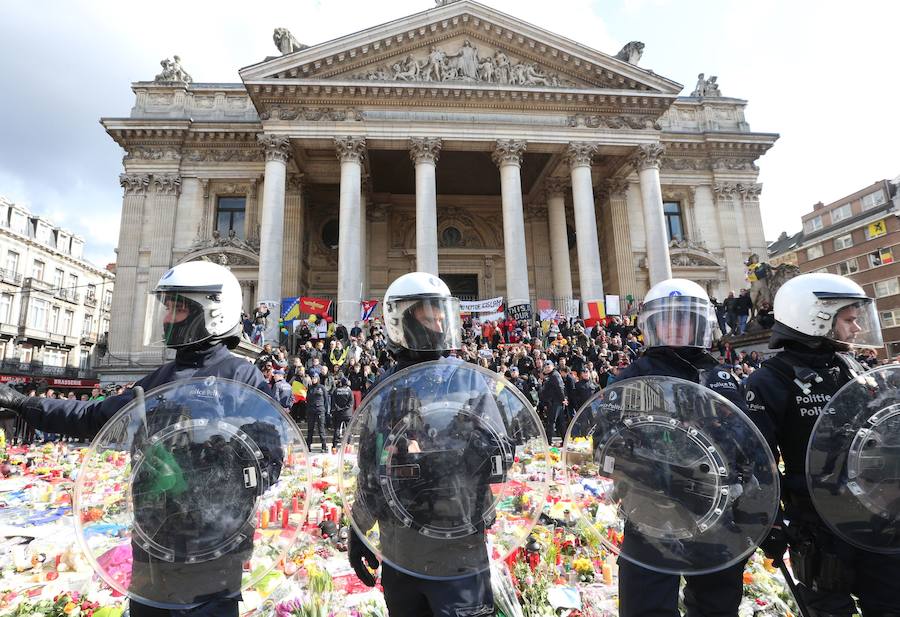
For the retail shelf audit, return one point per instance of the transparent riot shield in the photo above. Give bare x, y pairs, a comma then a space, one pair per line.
445, 468
192, 492
671, 475
853, 461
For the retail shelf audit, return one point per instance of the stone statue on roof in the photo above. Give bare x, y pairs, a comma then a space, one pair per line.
631, 53
285, 41
173, 71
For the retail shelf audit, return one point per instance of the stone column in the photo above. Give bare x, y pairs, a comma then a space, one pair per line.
294, 235
646, 162
731, 247
163, 204
508, 157
189, 214
365, 196
350, 151
705, 218
424, 153
756, 239
125, 322
555, 188
590, 275
271, 238
615, 189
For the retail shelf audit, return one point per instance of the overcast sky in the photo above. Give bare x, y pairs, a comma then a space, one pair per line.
824, 74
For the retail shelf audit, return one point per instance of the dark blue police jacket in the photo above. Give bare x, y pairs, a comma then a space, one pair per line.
84, 419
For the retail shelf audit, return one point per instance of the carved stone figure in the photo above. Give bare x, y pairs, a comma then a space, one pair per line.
467, 64
464, 65
434, 70
706, 87
501, 61
173, 71
285, 41
631, 53
765, 281
408, 70
486, 70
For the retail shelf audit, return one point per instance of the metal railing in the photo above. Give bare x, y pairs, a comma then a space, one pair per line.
10, 276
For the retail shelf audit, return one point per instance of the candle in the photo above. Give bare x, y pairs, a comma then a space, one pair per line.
273, 513
279, 505
284, 519
295, 505
265, 519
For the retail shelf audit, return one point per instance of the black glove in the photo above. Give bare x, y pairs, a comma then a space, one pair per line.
357, 551
775, 545
10, 399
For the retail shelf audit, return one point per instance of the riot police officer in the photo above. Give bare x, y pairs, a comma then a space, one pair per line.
341, 410
197, 312
422, 323
583, 390
819, 319
677, 321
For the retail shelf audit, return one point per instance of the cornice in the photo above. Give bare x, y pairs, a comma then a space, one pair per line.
349, 53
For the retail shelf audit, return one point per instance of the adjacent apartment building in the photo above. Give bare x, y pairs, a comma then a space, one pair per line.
54, 304
856, 236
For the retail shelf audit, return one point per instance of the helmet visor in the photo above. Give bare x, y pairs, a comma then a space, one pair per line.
426, 324
174, 320
853, 321
677, 321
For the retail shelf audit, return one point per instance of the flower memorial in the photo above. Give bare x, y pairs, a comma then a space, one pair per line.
563, 568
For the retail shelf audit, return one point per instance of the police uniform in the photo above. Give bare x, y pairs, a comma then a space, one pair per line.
785, 396
408, 595
84, 419
644, 592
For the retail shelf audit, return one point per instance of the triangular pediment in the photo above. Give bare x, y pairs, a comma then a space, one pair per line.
461, 43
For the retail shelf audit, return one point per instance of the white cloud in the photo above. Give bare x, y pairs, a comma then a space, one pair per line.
821, 74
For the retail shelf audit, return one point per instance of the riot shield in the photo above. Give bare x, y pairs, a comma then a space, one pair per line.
192, 492
853, 461
445, 468
671, 475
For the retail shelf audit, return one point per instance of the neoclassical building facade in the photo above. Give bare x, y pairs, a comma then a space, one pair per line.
459, 141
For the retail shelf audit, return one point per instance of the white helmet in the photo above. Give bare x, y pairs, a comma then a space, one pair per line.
677, 313
826, 307
194, 302
421, 315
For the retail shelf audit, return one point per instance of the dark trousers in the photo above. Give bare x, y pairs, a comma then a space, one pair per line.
409, 596
217, 608
645, 593
874, 583
340, 425
315, 423
555, 422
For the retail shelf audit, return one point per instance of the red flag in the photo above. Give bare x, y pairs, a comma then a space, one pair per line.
315, 306
595, 309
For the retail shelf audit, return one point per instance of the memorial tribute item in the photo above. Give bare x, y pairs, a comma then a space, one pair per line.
677, 479
183, 496
434, 469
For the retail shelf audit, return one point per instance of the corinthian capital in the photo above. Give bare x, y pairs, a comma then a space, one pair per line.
350, 148
167, 184
424, 149
555, 187
277, 148
580, 153
508, 152
612, 187
134, 184
647, 156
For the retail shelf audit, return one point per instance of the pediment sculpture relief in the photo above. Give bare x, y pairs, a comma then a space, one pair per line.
466, 64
